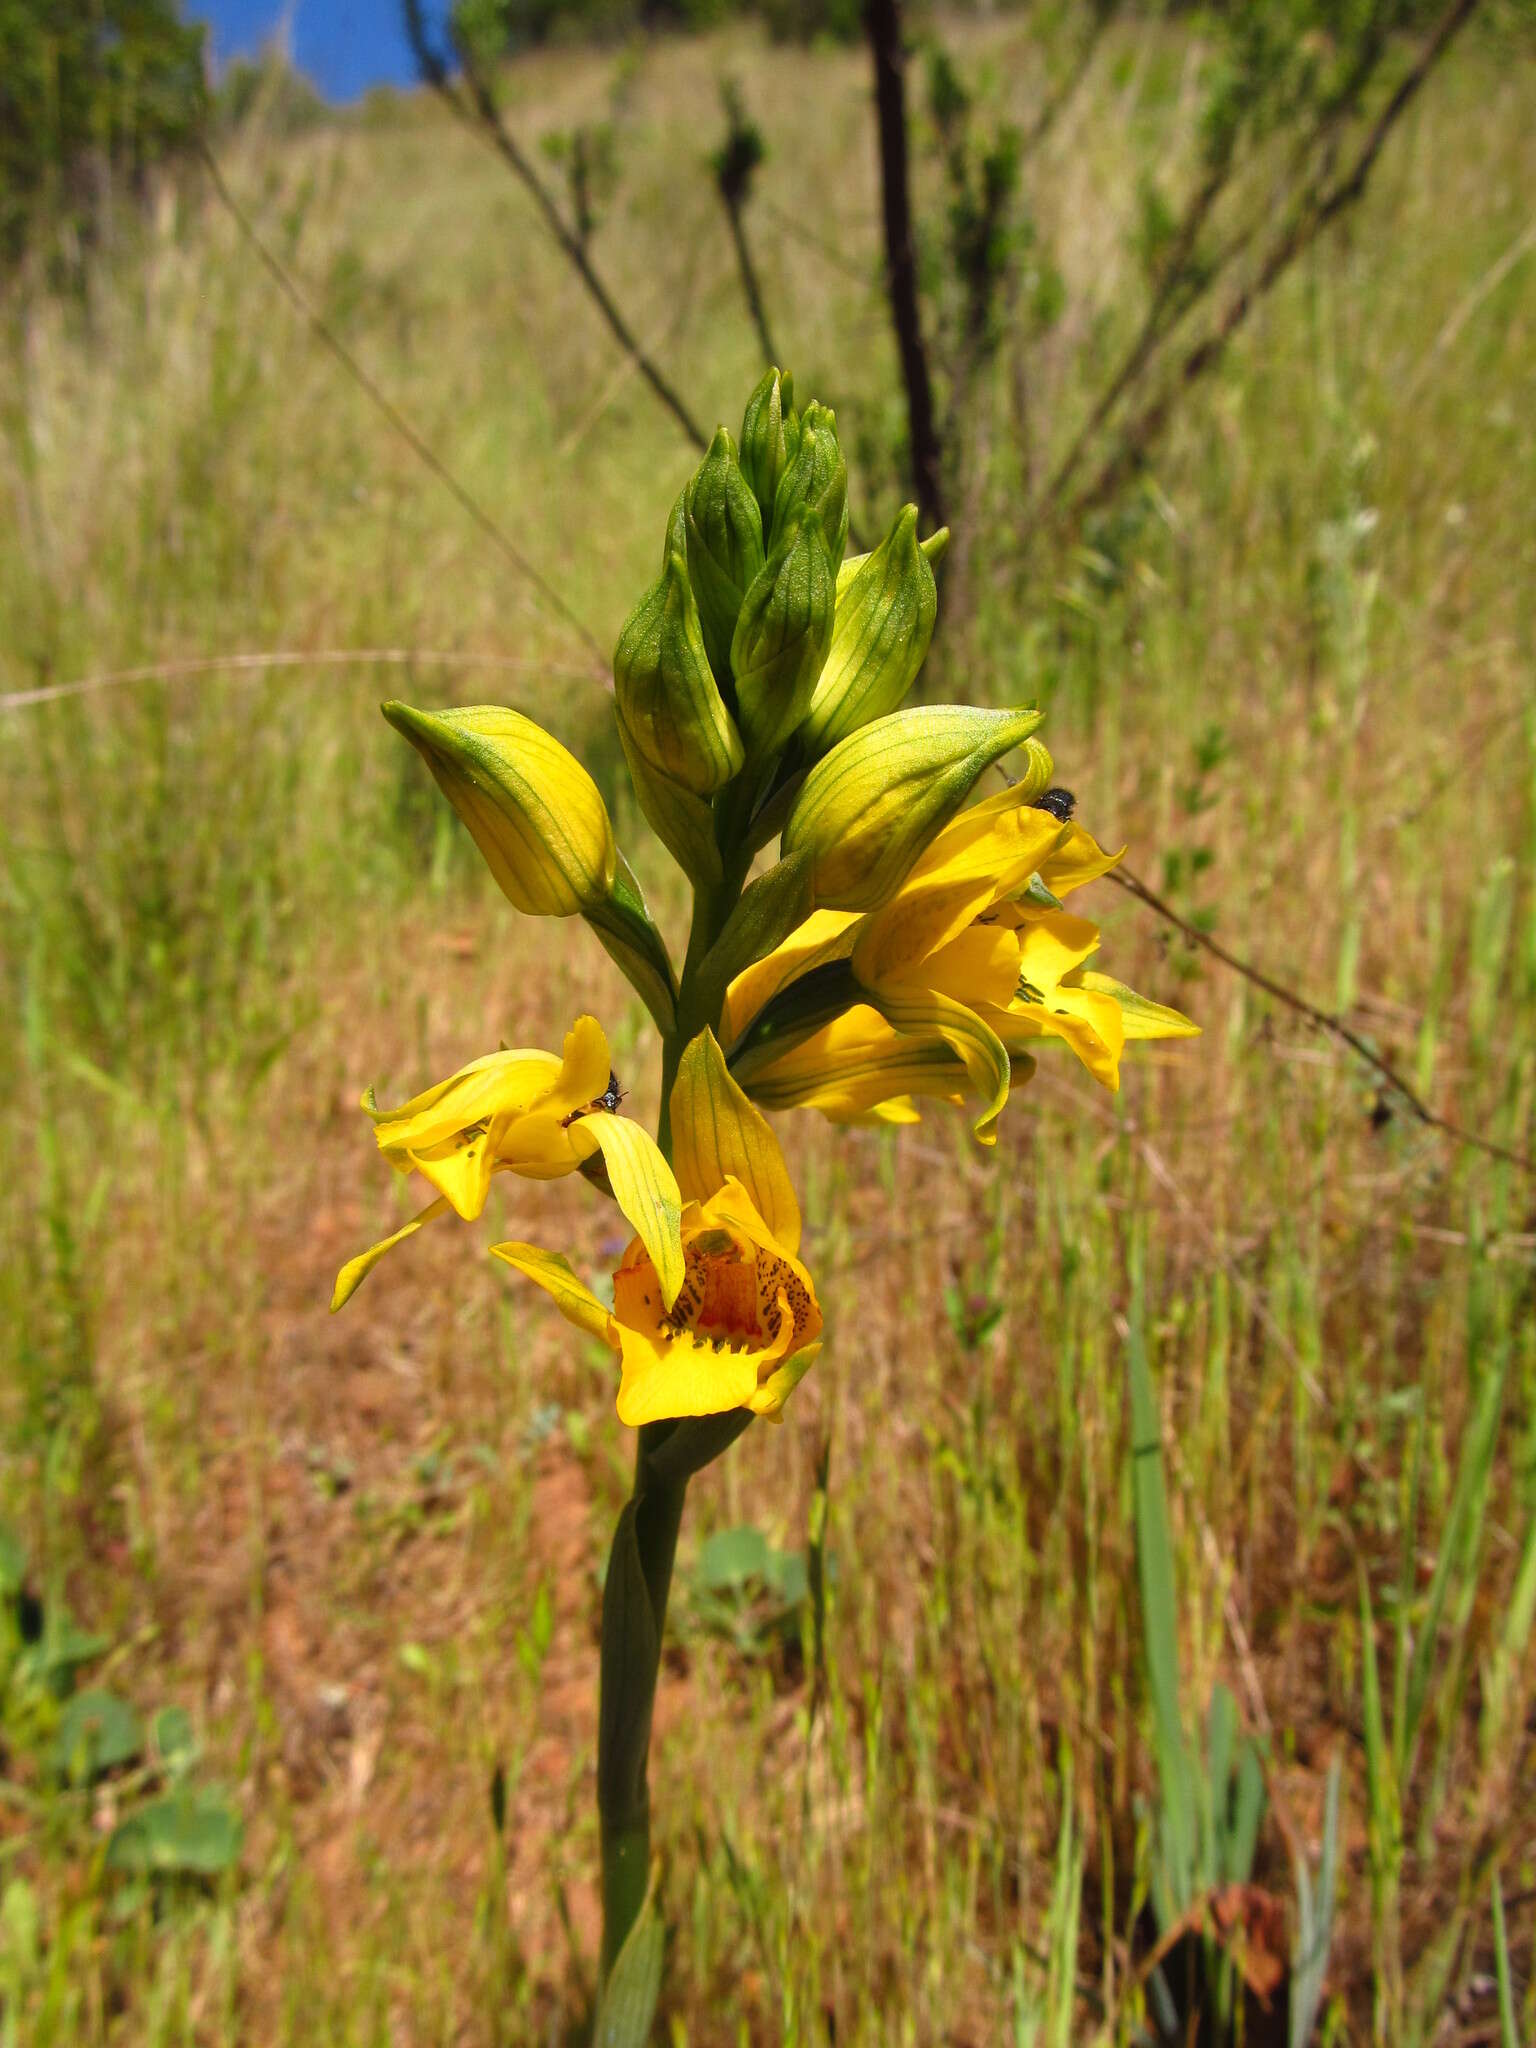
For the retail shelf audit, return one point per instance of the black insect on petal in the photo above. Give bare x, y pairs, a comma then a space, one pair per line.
1061, 803
610, 1099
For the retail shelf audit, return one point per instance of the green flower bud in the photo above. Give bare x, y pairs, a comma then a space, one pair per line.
683, 822
816, 475
676, 542
723, 532
768, 437
867, 810
783, 634
884, 622
666, 693
531, 808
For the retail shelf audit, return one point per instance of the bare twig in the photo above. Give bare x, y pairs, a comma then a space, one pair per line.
752, 290
295, 657
682, 296
1456, 772
483, 118
1315, 211
735, 164
827, 250
1483, 290
1057, 102
385, 405
1141, 350
1334, 1026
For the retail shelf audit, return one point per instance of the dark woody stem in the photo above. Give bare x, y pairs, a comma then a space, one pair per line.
645, 1541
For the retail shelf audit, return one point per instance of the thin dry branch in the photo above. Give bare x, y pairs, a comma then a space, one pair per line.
386, 406
751, 285
1324, 1021
1057, 102
482, 116
1318, 208
259, 661
1155, 325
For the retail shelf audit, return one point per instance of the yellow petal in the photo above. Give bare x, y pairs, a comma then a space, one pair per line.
925, 1013
574, 1299
856, 1063
981, 965
1090, 1024
543, 1146
1142, 1019
584, 1067
645, 1188
968, 868
460, 1170
501, 1083
870, 807
1018, 795
1051, 945
668, 1376
825, 935
900, 1109
717, 1133
770, 1397
356, 1271
1002, 832
1078, 858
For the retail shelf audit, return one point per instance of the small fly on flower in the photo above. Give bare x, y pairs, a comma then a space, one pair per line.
610, 1099
1061, 803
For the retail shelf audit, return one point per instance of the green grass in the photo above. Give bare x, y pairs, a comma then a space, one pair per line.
362, 1554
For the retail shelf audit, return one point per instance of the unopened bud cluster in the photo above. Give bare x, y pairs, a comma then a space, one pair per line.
759, 648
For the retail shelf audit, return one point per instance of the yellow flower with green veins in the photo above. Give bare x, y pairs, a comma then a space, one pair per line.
943, 989
858, 1070
533, 1113
742, 1330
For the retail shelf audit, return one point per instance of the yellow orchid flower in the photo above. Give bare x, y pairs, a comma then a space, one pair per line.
533, 1113
742, 1330
951, 981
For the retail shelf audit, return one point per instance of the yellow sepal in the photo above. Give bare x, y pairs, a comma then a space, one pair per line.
574, 1299
717, 1134
356, 1271
645, 1188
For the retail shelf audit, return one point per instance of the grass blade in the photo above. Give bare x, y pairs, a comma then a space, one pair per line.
1460, 1542
1507, 2035
1159, 1616
1314, 1920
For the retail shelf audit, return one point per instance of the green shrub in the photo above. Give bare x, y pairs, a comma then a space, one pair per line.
93, 94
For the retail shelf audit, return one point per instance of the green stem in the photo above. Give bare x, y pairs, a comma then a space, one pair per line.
634, 1616
645, 1541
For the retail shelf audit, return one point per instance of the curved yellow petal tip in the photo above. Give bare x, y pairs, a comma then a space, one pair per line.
348, 1280
555, 1274
356, 1271
769, 1400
